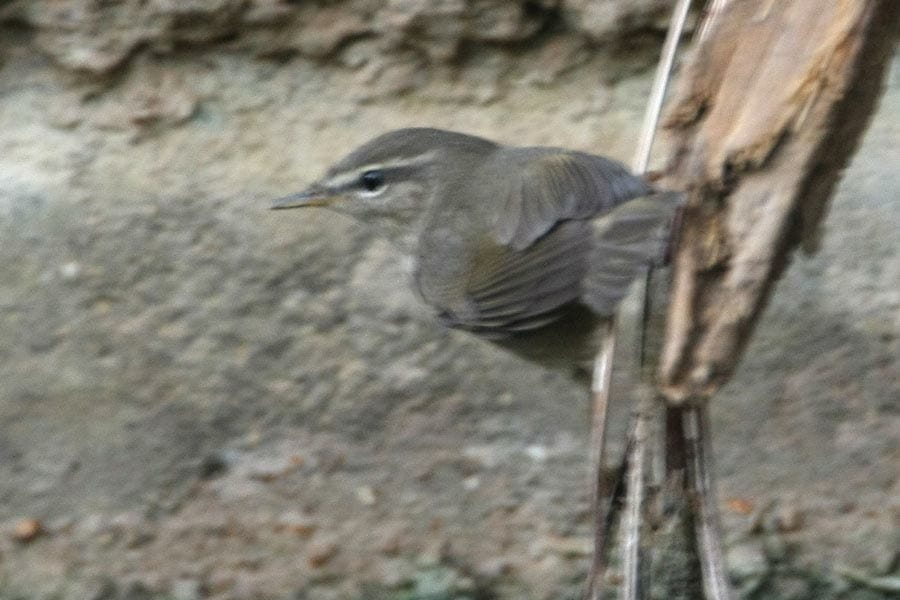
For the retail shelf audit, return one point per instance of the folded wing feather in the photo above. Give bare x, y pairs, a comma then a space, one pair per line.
547, 252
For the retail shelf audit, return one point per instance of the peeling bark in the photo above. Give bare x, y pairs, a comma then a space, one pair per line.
770, 108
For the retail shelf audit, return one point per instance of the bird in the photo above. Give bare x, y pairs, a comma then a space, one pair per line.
530, 248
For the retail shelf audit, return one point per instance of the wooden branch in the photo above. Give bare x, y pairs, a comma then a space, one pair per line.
771, 106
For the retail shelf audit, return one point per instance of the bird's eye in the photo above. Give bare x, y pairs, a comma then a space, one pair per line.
372, 180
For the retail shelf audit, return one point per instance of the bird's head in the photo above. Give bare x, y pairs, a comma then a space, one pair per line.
393, 180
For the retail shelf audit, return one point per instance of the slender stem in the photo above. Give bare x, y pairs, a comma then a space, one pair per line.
600, 388
706, 521
631, 518
658, 90
601, 497
635, 499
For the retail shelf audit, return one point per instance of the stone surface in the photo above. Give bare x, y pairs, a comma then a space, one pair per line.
97, 38
603, 19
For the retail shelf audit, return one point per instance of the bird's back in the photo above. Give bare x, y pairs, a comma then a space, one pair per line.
555, 248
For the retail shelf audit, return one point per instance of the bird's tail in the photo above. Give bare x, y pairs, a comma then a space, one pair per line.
630, 238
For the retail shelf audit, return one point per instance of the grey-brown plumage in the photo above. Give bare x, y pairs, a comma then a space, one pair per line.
528, 247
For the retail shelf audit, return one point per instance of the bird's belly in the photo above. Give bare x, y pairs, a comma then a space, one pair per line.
569, 342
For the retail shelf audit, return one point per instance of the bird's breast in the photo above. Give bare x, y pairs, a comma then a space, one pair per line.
440, 271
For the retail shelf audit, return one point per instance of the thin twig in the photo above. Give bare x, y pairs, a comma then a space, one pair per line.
600, 385
635, 499
706, 514
601, 497
658, 89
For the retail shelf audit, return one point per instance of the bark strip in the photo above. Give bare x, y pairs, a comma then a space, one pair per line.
770, 108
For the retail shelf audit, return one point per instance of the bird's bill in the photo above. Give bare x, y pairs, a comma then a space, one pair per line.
310, 197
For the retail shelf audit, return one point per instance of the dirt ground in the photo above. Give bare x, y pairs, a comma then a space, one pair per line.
200, 398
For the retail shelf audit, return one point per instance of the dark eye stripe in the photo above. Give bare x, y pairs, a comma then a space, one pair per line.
372, 180
387, 175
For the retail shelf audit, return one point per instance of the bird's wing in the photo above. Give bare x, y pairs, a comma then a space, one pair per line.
518, 290
543, 252
555, 186
547, 253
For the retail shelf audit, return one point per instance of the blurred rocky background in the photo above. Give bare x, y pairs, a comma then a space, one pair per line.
200, 398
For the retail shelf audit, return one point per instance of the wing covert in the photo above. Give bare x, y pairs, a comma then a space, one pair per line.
557, 185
